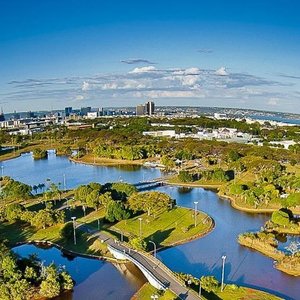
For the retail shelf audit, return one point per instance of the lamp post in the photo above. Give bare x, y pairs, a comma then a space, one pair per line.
65, 186
140, 219
154, 245
223, 270
200, 288
74, 227
2, 167
196, 202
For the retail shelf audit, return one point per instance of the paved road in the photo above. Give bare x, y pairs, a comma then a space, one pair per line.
153, 265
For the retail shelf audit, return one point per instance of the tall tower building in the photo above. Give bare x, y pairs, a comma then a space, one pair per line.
68, 111
149, 108
140, 110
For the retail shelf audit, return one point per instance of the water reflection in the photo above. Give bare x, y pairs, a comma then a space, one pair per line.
203, 256
95, 279
199, 257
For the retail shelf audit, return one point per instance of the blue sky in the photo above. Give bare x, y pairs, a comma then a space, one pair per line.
118, 53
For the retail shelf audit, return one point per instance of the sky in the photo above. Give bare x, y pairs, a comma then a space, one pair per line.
224, 53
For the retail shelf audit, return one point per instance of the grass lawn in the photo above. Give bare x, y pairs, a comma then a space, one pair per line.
147, 290
243, 293
167, 227
229, 293
17, 232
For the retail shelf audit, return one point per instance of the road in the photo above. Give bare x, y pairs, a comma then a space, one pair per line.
150, 263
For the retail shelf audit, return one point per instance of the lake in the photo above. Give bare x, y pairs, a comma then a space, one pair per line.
199, 257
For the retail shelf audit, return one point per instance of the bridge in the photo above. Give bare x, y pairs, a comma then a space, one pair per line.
149, 184
158, 275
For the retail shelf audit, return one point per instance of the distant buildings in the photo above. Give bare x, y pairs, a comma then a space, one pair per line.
140, 110
2, 118
68, 111
85, 110
146, 109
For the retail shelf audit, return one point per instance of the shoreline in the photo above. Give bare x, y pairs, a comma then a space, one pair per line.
272, 253
106, 162
69, 252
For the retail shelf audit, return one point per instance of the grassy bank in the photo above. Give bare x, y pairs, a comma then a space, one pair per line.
230, 292
167, 228
289, 264
147, 290
18, 232
100, 161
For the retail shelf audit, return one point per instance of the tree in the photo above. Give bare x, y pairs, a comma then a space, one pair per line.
233, 156
15, 190
66, 232
138, 243
168, 162
237, 189
116, 211
292, 200
149, 201
122, 190
105, 199
14, 211
185, 176
280, 217
92, 199
50, 286
39, 153
209, 283
82, 192
66, 281
9, 268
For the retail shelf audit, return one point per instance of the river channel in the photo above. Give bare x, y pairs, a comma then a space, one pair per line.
199, 257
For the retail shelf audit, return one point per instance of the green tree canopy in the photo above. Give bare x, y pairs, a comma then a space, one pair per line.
149, 202
209, 283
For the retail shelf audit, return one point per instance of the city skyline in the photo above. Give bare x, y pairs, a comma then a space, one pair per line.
221, 53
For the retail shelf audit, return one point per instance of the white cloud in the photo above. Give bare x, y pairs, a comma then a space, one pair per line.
79, 97
189, 80
85, 86
169, 94
148, 81
221, 72
273, 101
143, 70
188, 71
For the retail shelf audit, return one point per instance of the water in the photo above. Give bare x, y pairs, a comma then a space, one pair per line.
199, 257
203, 256
277, 119
95, 279
33, 172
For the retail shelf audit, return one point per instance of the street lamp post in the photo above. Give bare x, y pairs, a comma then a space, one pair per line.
74, 227
200, 288
1, 176
223, 271
65, 186
140, 219
196, 202
154, 245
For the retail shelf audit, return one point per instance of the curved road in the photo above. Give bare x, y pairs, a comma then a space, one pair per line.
151, 264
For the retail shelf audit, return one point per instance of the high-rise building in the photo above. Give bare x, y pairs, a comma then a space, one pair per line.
16, 116
85, 110
30, 115
2, 118
149, 108
68, 111
140, 110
